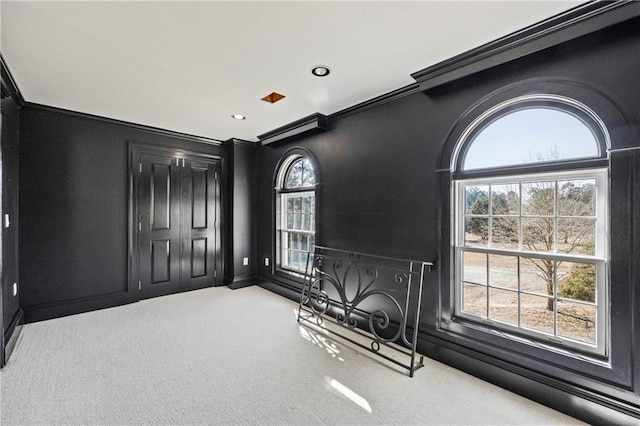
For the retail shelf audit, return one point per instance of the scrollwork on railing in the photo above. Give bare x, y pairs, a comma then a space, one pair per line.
345, 285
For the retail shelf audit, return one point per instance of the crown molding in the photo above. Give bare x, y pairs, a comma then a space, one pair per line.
574, 23
9, 84
377, 101
313, 123
237, 141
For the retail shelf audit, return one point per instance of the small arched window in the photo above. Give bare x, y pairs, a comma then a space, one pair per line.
531, 222
295, 213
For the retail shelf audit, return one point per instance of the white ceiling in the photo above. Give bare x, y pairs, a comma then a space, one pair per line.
187, 66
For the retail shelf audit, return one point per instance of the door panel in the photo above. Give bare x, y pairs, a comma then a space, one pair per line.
159, 225
199, 198
160, 196
198, 258
199, 217
160, 261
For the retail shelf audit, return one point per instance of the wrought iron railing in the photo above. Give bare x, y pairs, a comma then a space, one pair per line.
376, 298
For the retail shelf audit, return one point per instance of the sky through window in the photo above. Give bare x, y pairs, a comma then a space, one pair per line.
531, 135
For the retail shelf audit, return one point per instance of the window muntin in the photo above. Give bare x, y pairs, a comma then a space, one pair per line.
531, 253
296, 214
530, 231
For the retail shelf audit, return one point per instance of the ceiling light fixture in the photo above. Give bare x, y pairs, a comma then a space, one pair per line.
320, 70
238, 116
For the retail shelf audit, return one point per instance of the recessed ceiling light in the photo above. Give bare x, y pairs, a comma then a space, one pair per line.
238, 116
320, 70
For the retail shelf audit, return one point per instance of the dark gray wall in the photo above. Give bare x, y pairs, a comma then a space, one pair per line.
382, 195
9, 255
74, 204
242, 219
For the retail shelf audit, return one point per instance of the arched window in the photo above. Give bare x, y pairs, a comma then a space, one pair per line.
530, 229
295, 213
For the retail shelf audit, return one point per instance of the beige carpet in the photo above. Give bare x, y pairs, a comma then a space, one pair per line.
218, 356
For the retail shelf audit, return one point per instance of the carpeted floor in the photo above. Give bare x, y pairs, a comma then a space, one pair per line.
218, 356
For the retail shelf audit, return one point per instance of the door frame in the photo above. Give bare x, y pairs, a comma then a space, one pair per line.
136, 149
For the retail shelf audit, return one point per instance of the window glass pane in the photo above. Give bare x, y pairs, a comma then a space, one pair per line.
505, 199
577, 197
477, 199
503, 271
503, 305
289, 221
474, 299
537, 275
536, 313
294, 177
531, 135
505, 232
289, 205
474, 267
577, 281
306, 204
577, 235
538, 234
476, 231
295, 255
300, 175
538, 198
577, 321
308, 176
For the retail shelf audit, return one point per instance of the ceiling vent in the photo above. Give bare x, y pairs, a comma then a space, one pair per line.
273, 97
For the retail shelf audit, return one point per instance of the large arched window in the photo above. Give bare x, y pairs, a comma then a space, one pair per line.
295, 213
530, 229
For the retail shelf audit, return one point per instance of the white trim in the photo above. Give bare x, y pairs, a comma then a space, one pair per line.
599, 258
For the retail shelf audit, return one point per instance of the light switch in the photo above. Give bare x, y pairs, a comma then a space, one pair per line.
245, 261
6, 220
266, 261
15, 289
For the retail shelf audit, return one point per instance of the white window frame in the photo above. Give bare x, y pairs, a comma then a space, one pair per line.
283, 231
283, 263
599, 258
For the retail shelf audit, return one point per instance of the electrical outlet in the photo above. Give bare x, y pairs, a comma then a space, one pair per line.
266, 261
15, 289
245, 261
